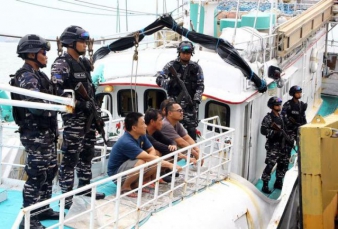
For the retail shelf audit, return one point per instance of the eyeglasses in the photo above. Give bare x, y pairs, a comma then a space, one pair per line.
179, 110
278, 105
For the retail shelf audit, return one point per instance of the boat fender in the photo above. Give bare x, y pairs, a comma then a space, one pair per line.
314, 61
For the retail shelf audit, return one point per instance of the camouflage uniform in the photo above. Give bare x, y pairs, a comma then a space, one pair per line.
274, 146
78, 146
194, 82
294, 117
38, 130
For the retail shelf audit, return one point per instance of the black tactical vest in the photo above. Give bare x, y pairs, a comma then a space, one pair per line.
79, 72
297, 111
280, 123
189, 79
22, 116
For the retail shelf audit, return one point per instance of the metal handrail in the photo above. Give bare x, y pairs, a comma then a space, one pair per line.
217, 138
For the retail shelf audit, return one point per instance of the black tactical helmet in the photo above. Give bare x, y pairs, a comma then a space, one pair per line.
72, 34
185, 46
274, 101
31, 43
295, 89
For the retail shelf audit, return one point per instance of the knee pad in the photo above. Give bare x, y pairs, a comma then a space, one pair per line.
71, 159
88, 155
192, 132
53, 171
268, 168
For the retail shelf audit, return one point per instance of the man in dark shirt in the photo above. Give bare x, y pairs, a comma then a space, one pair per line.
131, 150
161, 143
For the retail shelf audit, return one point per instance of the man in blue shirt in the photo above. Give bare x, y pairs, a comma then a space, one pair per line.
131, 150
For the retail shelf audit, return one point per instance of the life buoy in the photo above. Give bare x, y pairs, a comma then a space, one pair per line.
314, 61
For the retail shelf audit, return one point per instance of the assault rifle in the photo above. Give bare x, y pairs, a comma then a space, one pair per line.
182, 85
286, 137
94, 115
294, 121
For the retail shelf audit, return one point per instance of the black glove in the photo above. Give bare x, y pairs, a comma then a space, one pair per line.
85, 106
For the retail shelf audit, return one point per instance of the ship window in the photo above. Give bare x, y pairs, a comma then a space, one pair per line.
286, 88
153, 98
105, 101
221, 110
126, 102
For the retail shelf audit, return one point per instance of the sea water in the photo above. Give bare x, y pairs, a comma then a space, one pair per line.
10, 62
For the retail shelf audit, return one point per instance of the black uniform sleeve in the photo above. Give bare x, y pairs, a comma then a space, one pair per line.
162, 148
266, 127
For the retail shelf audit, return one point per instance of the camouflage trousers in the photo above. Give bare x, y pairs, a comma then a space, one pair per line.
78, 151
293, 136
41, 165
274, 156
190, 120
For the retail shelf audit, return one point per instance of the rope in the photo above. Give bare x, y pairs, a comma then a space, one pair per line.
135, 58
59, 46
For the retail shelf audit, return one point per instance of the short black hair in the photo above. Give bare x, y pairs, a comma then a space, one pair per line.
169, 107
164, 103
131, 120
151, 114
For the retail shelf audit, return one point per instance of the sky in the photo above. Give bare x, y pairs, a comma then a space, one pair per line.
21, 17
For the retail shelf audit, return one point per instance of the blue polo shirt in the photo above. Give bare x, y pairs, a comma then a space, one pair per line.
124, 149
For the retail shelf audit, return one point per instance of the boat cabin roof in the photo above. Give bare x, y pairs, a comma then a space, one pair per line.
222, 81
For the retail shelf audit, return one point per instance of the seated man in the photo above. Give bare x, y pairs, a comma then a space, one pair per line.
173, 129
163, 106
161, 143
131, 150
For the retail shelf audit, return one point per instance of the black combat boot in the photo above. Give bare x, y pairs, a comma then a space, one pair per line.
47, 213
34, 223
99, 195
265, 187
278, 184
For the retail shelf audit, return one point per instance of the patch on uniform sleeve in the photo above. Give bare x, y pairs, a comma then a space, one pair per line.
57, 76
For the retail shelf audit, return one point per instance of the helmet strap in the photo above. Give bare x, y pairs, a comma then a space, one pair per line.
74, 47
35, 59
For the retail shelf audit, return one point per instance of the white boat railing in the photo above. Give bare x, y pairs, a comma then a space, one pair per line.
215, 150
117, 131
68, 106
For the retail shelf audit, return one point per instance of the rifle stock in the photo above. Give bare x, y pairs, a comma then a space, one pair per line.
286, 137
80, 89
182, 85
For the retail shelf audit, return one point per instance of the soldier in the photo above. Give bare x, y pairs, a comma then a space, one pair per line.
192, 76
38, 128
293, 113
78, 143
272, 127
